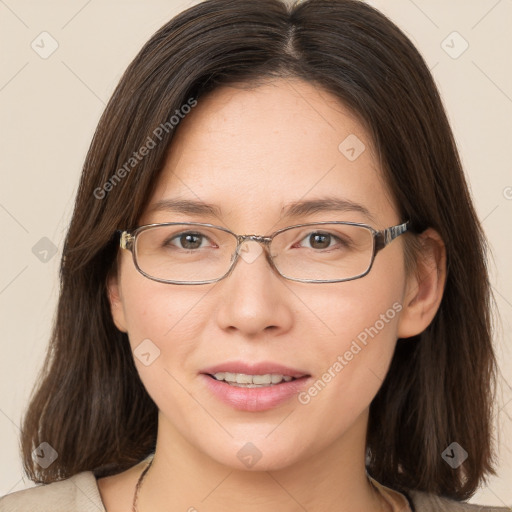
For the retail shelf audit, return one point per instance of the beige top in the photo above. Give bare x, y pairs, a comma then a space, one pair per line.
80, 493
397, 501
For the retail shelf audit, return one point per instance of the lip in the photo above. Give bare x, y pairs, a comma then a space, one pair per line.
255, 399
262, 368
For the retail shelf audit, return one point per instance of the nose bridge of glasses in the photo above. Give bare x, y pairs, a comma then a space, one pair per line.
255, 238
246, 252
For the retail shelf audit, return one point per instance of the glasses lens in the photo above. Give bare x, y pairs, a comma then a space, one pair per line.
182, 252
194, 253
323, 251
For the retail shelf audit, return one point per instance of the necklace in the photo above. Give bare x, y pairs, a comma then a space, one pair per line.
138, 486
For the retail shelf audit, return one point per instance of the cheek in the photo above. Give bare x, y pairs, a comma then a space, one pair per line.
157, 310
163, 326
363, 308
359, 322
164, 323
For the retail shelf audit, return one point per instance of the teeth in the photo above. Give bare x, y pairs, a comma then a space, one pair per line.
252, 381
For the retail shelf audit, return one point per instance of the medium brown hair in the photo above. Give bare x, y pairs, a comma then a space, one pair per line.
90, 404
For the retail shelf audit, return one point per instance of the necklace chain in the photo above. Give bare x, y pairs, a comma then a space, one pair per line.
138, 486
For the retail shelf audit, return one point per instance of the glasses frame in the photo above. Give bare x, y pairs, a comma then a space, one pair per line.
382, 238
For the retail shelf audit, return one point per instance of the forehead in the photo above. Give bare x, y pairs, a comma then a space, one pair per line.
252, 151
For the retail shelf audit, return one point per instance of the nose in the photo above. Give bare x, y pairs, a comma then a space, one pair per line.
254, 298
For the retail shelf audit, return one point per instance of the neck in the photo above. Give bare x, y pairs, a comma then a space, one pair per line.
333, 479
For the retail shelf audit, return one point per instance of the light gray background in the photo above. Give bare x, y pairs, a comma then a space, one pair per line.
49, 109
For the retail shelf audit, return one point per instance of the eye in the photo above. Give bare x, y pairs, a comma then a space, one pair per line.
189, 240
322, 240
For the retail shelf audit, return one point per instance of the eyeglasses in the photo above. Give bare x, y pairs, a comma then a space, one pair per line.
198, 253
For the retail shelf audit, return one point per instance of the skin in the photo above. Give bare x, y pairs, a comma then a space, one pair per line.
251, 152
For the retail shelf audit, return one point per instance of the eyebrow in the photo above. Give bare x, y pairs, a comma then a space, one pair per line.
295, 209
186, 206
323, 204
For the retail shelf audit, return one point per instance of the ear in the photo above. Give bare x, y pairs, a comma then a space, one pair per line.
115, 299
425, 286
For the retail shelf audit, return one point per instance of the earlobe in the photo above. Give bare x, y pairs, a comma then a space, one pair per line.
116, 303
425, 286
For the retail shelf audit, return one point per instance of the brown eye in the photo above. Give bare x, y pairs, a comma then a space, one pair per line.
188, 241
322, 240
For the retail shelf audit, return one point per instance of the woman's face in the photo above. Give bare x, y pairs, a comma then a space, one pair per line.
251, 153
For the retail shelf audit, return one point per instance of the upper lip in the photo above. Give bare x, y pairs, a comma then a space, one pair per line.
263, 368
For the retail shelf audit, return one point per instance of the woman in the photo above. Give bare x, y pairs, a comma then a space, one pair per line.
325, 361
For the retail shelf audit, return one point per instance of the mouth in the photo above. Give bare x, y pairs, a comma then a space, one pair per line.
245, 374
254, 387
244, 380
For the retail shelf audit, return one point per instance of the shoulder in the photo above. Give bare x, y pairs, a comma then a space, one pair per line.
78, 493
425, 502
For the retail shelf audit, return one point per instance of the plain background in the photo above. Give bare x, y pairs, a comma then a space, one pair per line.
49, 109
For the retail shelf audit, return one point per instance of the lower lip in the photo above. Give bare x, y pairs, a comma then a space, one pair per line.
254, 399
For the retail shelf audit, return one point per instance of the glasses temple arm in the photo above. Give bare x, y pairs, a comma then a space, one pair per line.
386, 236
